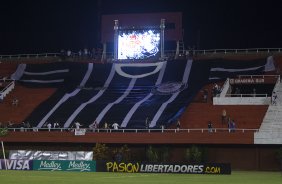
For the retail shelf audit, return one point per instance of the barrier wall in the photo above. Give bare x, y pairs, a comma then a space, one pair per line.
146, 167
109, 166
48, 165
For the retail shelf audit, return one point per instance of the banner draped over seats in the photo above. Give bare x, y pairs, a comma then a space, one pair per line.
125, 93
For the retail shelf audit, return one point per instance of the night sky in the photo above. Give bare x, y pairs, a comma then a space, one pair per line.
40, 26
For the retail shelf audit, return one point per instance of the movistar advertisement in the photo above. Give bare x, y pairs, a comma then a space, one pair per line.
143, 167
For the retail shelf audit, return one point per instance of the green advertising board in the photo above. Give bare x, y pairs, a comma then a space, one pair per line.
64, 165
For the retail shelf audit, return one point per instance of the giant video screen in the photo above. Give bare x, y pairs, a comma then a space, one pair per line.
138, 44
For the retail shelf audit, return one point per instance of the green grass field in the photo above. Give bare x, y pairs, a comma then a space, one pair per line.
44, 177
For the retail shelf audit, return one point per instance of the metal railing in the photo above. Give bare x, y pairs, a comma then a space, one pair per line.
20, 56
246, 95
7, 89
201, 130
258, 76
168, 53
235, 51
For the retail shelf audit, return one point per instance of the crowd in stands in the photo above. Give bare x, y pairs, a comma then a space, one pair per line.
94, 53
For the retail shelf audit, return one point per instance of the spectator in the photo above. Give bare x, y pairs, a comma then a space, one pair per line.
215, 90
229, 124
93, 126
69, 53
56, 125
147, 123
223, 117
254, 92
1, 98
63, 54
237, 91
49, 126
77, 125
93, 53
233, 125
4, 79
79, 53
205, 95
115, 126
178, 125
10, 124
162, 127
106, 125
15, 102
27, 126
34, 129
85, 52
274, 98
210, 127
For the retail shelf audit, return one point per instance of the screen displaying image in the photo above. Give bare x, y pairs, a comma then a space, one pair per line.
138, 44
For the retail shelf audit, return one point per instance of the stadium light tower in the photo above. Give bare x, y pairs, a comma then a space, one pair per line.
116, 40
162, 27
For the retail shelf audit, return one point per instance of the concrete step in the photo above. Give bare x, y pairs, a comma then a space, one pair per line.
270, 131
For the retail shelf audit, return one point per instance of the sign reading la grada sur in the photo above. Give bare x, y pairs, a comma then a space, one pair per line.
143, 167
247, 81
64, 165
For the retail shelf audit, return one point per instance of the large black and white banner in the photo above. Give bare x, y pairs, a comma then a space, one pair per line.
126, 93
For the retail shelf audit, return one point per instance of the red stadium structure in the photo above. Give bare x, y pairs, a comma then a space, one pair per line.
252, 145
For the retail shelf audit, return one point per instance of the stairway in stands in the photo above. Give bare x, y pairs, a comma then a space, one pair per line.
270, 131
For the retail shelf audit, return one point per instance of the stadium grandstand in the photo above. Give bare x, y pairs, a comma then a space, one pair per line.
228, 101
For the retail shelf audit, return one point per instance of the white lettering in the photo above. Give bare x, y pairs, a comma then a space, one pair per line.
10, 164
190, 169
201, 168
50, 165
25, 165
15, 164
166, 166
73, 165
155, 168
149, 168
19, 164
142, 169
160, 169
183, 168
170, 168
176, 168
195, 170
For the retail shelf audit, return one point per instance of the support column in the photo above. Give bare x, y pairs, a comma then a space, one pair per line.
162, 26
104, 54
116, 40
177, 50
